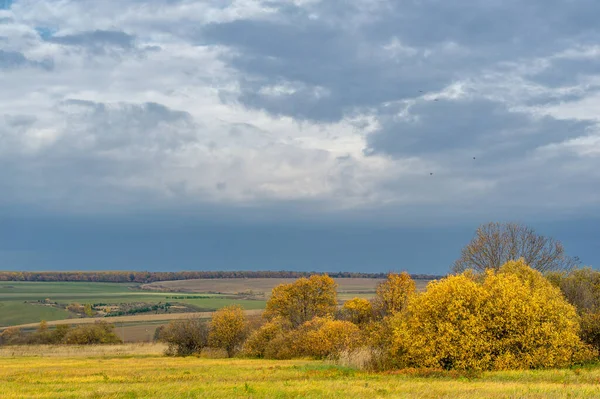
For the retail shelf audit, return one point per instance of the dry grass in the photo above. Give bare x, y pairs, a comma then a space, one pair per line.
138, 371
63, 351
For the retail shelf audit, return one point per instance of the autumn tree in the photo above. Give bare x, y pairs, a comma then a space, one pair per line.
11, 336
392, 294
495, 244
324, 337
357, 310
303, 299
228, 329
89, 312
268, 340
512, 319
319, 337
91, 334
184, 337
581, 287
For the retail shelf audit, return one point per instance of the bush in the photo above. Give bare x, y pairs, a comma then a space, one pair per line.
228, 329
184, 337
325, 337
262, 343
514, 319
581, 287
92, 334
358, 311
590, 330
393, 294
303, 299
11, 336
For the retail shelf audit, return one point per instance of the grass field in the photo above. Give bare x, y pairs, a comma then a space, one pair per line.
135, 371
14, 310
346, 286
17, 312
219, 293
139, 328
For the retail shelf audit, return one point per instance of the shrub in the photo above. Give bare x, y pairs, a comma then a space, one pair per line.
581, 287
11, 336
590, 330
357, 310
320, 337
325, 337
91, 334
514, 319
393, 294
263, 341
228, 329
184, 337
303, 299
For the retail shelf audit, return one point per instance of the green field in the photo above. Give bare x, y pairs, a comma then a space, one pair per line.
249, 293
142, 372
14, 310
17, 312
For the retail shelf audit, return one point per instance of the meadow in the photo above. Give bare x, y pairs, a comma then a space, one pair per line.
141, 371
261, 287
14, 309
251, 294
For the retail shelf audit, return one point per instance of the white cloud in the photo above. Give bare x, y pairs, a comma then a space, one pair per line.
258, 102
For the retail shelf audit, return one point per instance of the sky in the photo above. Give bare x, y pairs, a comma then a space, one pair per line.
357, 135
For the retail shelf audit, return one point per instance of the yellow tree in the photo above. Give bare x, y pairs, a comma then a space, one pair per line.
303, 299
358, 310
512, 319
393, 294
228, 329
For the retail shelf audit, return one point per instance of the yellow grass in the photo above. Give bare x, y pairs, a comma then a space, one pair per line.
64, 351
141, 372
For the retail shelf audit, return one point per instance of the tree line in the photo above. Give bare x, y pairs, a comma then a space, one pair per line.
86, 334
149, 277
510, 317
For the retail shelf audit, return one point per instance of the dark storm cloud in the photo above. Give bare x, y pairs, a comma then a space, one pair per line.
339, 47
480, 126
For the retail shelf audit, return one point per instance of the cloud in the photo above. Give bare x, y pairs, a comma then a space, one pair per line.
14, 60
306, 107
96, 41
469, 126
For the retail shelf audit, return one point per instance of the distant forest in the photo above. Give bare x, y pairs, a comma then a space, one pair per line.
149, 277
